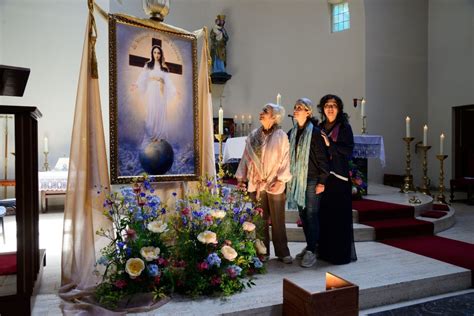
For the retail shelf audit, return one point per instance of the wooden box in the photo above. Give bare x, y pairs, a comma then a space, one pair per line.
340, 298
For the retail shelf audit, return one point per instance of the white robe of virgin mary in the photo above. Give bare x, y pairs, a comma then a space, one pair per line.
159, 90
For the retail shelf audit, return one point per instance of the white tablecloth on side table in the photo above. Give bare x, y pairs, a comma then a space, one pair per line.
369, 146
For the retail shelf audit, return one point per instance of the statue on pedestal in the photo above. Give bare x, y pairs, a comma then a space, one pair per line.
219, 38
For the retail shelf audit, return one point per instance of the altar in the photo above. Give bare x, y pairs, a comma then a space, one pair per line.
365, 146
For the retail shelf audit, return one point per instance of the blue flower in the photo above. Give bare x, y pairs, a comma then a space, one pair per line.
257, 263
153, 270
103, 260
225, 191
120, 244
214, 260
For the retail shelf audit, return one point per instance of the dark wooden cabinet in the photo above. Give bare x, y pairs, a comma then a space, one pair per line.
27, 209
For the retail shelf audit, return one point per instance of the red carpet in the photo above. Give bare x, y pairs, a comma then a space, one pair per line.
447, 250
391, 220
433, 214
7, 263
370, 210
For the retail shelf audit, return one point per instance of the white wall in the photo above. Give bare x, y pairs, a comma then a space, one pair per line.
275, 46
396, 78
47, 37
281, 47
450, 72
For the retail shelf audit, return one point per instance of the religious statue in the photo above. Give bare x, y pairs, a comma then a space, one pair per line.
219, 38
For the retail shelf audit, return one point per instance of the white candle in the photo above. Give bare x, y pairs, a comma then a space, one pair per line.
221, 121
278, 99
250, 119
425, 135
441, 144
407, 123
362, 108
243, 119
45, 145
235, 119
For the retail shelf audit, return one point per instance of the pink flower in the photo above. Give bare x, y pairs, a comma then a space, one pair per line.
259, 211
162, 261
215, 280
358, 181
185, 211
120, 284
202, 266
131, 234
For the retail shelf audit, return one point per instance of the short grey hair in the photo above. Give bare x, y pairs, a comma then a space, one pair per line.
278, 112
307, 103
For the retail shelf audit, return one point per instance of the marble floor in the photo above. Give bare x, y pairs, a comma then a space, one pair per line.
387, 277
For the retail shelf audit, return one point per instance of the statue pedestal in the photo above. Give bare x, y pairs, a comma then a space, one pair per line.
220, 77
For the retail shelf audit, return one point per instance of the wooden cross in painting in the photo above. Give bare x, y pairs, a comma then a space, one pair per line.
139, 61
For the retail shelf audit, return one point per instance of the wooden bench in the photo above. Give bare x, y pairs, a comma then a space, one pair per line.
45, 195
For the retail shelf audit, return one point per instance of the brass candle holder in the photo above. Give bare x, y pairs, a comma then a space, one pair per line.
45, 164
220, 138
425, 188
364, 124
408, 180
440, 197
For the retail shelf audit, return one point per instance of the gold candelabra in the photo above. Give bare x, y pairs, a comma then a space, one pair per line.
425, 188
364, 124
440, 198
408, 181
45, 165
220, 138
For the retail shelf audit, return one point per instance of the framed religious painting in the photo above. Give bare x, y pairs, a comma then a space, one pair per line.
153, 101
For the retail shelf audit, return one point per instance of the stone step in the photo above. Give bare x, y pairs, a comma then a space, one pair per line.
361, 232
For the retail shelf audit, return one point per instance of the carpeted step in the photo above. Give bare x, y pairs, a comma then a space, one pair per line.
370, 210
433, 214
400, 227
447, 250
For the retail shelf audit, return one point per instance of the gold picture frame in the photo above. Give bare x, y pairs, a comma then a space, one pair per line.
154, 126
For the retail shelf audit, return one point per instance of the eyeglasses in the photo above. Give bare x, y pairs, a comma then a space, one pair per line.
299, 108
330, 106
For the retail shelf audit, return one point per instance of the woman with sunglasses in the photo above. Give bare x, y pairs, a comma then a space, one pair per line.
309, 170
336, 243
265, 165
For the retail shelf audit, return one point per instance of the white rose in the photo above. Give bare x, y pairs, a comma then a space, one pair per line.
229, 253
248, 226
207, 237
150, 253
134, 267
260, 246
217, 213
157, 226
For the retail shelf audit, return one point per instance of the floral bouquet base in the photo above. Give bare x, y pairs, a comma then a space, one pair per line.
206, 245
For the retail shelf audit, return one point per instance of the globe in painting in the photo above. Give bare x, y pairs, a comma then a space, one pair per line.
157, 157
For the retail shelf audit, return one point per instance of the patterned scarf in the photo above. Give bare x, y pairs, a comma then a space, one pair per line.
296, 189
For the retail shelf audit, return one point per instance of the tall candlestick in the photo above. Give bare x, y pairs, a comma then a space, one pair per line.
250, 119
278, 99
362, 108
221, 121
243, 119
45, 144
425, 135
407, 123
441, 144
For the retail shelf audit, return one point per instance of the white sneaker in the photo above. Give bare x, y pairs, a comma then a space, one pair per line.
287, 259
301, 254
309, 259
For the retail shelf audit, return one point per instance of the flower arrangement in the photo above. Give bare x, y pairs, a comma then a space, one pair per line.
206, 245
137, 256
216, 248
359, 183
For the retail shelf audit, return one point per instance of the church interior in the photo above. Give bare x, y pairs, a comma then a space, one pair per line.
403, 69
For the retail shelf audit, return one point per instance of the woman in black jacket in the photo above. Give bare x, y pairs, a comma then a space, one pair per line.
336, 242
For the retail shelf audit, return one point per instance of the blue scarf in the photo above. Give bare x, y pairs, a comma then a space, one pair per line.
296, 189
